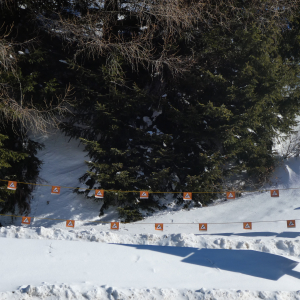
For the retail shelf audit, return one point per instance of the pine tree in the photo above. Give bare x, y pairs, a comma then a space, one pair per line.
7, 156
216, 123
246, 77
18, 162
29, 99
143, 127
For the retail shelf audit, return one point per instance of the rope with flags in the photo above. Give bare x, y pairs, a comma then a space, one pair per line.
99, 193
26, 220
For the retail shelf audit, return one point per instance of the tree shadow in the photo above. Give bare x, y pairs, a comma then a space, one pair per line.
244, 234
262, 233
288, 234
248, 262
284, 234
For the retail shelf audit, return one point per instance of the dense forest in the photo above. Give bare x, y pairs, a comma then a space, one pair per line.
166, 95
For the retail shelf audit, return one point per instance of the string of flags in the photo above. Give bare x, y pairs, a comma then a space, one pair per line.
27, 221
160, 226
187, 196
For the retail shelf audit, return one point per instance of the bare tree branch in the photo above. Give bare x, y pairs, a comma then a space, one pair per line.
13, 110
30, 117
148, 39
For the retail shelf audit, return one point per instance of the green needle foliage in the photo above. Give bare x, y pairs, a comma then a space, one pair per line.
168, 96
214, 127
18, 162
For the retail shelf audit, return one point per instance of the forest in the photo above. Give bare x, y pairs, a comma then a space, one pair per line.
166, 95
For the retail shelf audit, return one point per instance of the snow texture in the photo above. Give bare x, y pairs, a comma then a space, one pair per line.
65, 291
46, 260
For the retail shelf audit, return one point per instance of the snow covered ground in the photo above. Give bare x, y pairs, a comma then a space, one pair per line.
90, 266
46, 260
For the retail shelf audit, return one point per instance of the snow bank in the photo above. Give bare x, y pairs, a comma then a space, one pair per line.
58, 271
110, 293
289, 247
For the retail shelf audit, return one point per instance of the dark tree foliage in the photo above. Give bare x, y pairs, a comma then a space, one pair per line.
171, 96
18, 162
213, 127
29, 93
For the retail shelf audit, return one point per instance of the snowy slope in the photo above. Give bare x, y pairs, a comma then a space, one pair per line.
64, 163
226, 262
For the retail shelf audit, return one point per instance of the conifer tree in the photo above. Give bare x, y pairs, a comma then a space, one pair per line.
178, 97
30, 99
245, 78
18, 163
217, 122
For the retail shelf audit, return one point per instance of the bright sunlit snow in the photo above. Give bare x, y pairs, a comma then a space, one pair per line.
46, 260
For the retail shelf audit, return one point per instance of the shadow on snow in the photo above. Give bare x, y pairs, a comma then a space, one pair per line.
284, 234
248, 262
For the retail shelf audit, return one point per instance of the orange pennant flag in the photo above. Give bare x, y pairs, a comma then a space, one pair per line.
203, 226
26, 220
12, 185
55, 190
247, 225
230, 195
99, 194
70, 223
274, 193
187, 196
144, 195
114, 225
159, 226
291, 223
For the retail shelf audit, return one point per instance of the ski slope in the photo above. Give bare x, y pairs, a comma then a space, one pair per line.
46, 260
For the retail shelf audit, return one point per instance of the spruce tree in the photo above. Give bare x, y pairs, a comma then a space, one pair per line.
18, 163
29, 99
213, 126
247, 77
168, 97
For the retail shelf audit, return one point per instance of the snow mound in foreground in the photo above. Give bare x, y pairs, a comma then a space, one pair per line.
290, 247
64, 291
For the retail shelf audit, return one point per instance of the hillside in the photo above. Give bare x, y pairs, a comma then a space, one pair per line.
180, 262
165, 97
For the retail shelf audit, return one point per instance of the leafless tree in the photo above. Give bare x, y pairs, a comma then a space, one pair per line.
143, 32
14, 109
28, 116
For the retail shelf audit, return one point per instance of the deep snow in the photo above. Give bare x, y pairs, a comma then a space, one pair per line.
47, 260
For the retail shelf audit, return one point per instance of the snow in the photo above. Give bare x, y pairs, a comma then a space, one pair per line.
63, 164
288, 146
279, 244
158, 132
155, 114
46, 260
143, 266
64, 291
250, 130
147, 120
